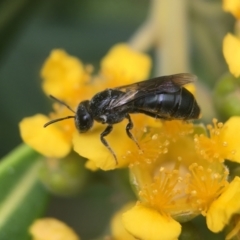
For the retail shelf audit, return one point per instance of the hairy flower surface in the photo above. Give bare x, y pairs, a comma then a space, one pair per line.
174, 181
222, 142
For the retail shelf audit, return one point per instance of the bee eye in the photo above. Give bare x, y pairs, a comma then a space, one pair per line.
83, 119
85, 123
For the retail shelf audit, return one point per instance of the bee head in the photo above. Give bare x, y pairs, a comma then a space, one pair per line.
83, 117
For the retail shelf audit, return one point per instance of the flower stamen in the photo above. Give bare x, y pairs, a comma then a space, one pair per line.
214, 147
161, 193
174, 129
204, 186
151, 148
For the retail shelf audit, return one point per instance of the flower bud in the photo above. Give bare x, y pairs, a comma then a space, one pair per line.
64, 176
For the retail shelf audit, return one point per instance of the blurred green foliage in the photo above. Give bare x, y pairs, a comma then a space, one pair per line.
22, 197
227, 97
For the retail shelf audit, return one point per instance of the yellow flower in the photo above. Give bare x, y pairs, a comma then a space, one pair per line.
51, 229
174, 182
231, 43
90, 146
34, 133
120, 66
117, 139
223, 142
67, 79
123, 65
147, 223
232, 6
117, 229
231, 52
224, 207
64, 76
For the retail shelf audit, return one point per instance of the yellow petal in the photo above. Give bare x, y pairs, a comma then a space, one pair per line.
122, 65
62, 74
91, 166
231, 130
90, 146
146, 223
231, 52
228, 204
232, 6
118, 230
49, 141
52, 229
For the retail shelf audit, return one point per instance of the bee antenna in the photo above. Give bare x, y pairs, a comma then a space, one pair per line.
61, 102
57, 120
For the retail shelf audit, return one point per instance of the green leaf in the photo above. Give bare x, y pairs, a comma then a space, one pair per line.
22, 196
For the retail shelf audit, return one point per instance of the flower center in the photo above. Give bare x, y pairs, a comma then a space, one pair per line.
176, 128
214, 147
151, 147
204, 185
161, 193
155, 142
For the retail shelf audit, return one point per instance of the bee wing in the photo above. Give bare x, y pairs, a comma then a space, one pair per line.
170, 84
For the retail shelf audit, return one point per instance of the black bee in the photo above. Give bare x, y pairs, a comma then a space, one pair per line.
162, 97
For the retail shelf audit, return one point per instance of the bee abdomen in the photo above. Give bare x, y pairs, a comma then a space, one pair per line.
177, 105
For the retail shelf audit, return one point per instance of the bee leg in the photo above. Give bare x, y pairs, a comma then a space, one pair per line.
128, 128
105, 143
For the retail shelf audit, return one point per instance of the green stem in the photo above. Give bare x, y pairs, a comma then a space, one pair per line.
18, 193
19, 183
165, 30
21, 152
